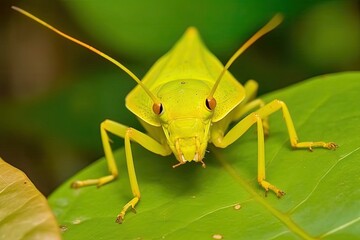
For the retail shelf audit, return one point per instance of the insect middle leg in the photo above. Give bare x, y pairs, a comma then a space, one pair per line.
251, 103
256, 117
128, 134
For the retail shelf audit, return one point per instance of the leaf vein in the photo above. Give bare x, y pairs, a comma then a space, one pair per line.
321, 179
199, 218
284, 218
343, 226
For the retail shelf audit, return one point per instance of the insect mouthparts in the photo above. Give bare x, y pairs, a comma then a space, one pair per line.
196, 159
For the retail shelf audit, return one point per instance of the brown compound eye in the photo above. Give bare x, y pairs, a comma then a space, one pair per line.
210, 103
157, 108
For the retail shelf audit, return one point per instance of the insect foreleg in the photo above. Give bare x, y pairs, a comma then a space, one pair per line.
276, 105
128, 134
236, 132
110, 161
256, 117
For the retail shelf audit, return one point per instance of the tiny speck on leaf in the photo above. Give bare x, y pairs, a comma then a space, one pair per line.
63, 228
237, 206
217, 236
76, 221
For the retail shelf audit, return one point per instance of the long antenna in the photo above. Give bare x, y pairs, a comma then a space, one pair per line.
126, 70
273, 23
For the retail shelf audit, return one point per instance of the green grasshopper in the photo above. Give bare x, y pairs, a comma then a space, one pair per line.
185, 101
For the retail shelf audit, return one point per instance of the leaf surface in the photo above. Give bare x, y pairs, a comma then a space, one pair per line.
192, 202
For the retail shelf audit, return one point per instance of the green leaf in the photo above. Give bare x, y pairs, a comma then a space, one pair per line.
192, 202
24, 211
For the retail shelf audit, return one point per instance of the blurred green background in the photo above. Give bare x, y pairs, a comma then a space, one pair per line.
54, 94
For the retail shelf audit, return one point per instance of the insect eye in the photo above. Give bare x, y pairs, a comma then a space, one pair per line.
157, 108
210, 103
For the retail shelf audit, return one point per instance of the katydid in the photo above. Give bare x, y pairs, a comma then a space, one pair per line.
185, 101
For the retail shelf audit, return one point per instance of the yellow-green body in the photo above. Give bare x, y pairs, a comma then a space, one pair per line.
185, 101
182, 80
